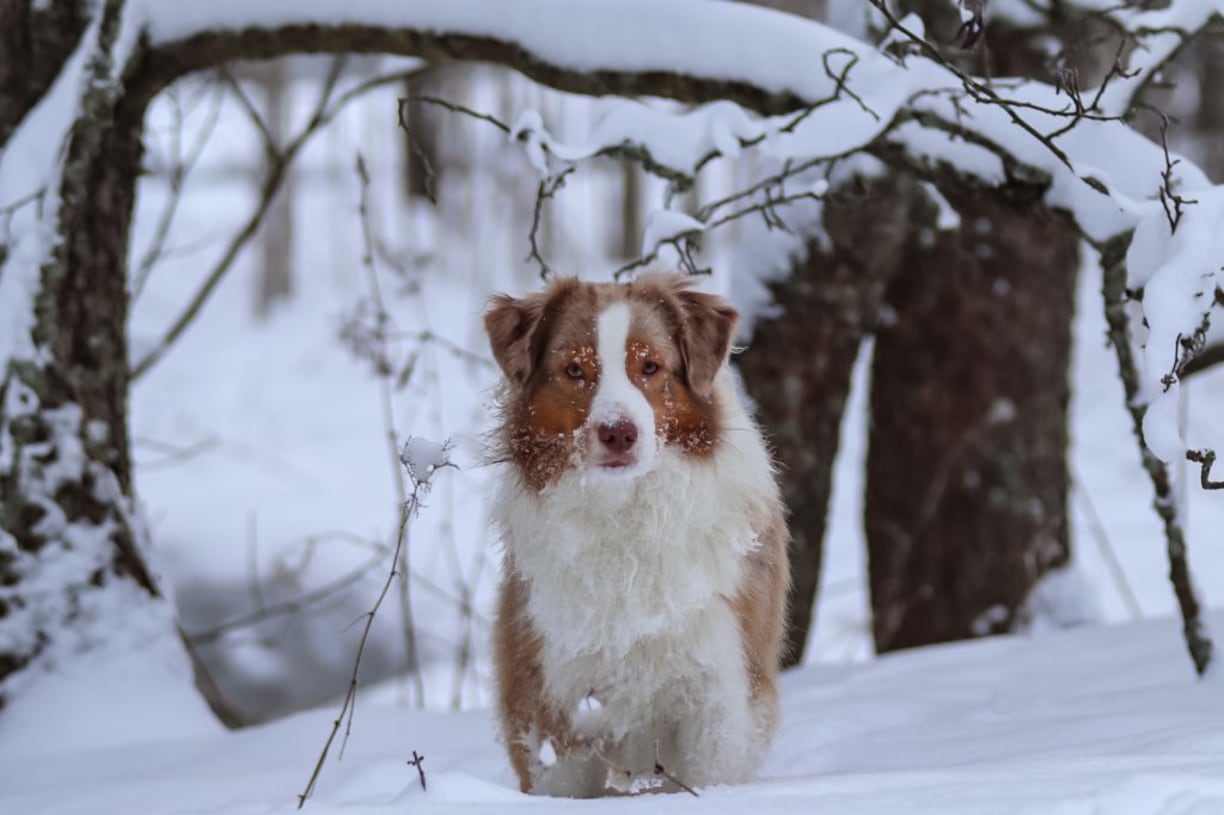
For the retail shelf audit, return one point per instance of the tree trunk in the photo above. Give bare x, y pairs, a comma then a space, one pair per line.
966, 468
67, 531
1210, 119
35, 40
798, 364
275, 274
423, 136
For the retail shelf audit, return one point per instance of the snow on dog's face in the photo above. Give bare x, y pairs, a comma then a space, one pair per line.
601, 376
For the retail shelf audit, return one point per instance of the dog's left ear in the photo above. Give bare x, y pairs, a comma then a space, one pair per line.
709, 325
511, 325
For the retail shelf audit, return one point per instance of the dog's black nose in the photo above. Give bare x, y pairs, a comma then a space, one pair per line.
618, 436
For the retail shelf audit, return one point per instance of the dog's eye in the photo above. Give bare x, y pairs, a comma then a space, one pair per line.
574, 371
650, 368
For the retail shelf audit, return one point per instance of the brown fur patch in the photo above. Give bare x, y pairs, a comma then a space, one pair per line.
526, 717
760, 606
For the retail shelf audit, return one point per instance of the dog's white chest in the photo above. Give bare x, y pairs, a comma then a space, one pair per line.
630, 582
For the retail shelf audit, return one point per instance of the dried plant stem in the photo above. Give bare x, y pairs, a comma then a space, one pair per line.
387, 407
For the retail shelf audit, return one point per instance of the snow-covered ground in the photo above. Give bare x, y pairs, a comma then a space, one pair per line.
1095, 721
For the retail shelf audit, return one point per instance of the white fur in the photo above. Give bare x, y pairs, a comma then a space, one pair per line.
629, 587
617, 397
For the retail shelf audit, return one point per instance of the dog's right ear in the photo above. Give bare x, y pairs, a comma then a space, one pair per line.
512, 325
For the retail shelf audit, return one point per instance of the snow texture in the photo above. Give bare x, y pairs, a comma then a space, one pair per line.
1100, 721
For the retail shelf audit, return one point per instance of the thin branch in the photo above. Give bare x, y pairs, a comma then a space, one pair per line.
180, 169
457, 108
408, 510
1198, 643
1209, 357
387, 407
286, 607
1109, 553
325, 110
1172, 202
547, 188
685, 243
1205, 459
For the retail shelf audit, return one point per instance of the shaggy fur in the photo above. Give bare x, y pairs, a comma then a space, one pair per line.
642, 605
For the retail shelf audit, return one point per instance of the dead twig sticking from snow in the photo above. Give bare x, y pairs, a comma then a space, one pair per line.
418, 761
634, 782
422, 479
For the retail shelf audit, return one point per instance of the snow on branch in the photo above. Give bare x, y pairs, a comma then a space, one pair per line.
795, 91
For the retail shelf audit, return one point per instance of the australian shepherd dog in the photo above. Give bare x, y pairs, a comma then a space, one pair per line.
640, 618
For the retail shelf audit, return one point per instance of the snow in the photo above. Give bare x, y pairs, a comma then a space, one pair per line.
1093, 721
689, 35
663, 225
423, 457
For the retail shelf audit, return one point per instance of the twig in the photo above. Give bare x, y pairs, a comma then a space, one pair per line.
287, 607
662, 772
180, 168
1170, 200
1209, 357
1205, 459
548, 188
685, 242
325, 110
173, 454
982, 93
387, 406
657, 771
408, 510
418, 761
1108, 553
457, 108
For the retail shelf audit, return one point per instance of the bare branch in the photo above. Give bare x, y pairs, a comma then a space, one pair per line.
180, 168
1198, 643
1205, 459
547, 188
1170, 199
409, 509
280, 161
387, 406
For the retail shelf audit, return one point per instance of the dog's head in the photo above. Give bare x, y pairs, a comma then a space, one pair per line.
601, 376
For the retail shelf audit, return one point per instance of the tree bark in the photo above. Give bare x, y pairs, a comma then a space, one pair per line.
34, 44
798, 364
275, 279
66, 482
966, 470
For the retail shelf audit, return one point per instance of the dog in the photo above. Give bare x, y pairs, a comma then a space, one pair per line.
640, 620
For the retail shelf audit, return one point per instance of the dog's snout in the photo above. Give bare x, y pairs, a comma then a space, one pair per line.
618, 436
